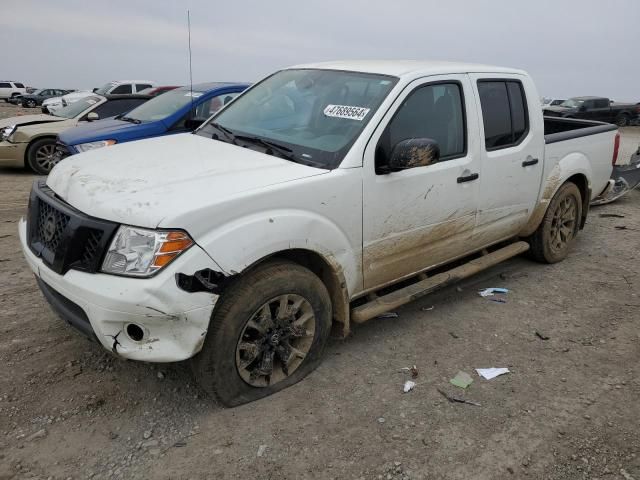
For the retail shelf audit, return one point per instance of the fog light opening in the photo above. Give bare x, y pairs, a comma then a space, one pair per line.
135, 332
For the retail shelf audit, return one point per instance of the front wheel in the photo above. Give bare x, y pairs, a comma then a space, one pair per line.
267, 332
41, 157
551, 242
30, 104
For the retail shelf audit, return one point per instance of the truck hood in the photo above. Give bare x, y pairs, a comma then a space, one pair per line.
24, 120
108, 129
158, 182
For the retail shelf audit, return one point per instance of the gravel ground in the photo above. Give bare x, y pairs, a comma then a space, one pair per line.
568, 410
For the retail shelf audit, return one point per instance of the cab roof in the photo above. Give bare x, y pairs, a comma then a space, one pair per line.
403, 68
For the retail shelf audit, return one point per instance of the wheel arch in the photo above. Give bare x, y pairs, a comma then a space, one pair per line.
327, 270
34, 140
554, 182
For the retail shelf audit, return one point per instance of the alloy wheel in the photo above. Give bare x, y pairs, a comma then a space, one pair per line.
46, 157
563, 223
275, 340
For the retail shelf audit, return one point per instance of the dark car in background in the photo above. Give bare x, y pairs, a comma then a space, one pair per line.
596, 108
32, 100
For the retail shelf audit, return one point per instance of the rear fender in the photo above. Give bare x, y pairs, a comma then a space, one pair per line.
575, 165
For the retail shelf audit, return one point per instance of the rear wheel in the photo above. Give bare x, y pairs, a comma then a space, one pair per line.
267, 332
41, 156
622, 120
551, 242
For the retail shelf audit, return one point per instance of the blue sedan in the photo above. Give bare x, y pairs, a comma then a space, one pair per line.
177, 111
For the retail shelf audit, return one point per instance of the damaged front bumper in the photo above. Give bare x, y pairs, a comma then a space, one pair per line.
172, 321
12, 154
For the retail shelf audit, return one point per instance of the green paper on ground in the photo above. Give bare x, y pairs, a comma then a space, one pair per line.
462, 380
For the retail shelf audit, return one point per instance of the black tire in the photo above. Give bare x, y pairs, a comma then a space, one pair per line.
217, 368
622, 120
40, 156
30, 104
553, 239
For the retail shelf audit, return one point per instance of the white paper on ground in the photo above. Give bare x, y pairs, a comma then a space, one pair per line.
490, 373
408, 386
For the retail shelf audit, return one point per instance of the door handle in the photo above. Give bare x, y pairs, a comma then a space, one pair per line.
468, 178
530, 161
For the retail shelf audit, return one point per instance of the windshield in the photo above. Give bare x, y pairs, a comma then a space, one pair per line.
104, 89
162, 106
312, 115
572, 103
37, 92
76, 108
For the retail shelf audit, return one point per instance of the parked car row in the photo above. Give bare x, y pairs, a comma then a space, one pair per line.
87, 121
594, 108
36, 98
120, 87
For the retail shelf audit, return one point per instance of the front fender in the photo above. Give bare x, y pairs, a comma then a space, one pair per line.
244, 241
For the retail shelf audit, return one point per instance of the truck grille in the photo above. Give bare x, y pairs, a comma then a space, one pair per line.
64, 237
51, 225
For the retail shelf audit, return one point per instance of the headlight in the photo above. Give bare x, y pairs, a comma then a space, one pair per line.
6, 132
139, 252
85, 147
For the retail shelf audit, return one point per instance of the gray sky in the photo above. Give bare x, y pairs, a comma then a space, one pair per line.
571, 47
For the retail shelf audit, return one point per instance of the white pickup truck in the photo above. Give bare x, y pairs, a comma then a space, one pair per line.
326, 194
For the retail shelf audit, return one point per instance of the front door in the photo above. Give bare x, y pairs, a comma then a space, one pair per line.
423, 216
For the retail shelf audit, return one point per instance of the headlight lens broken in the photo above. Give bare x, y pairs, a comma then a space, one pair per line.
6, 132
139, 252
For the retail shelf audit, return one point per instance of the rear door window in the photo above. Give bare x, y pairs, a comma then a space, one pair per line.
122, 89
5, 85
504, 113
111, 108
142, 86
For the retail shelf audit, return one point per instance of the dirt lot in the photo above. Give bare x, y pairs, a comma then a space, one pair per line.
569, 408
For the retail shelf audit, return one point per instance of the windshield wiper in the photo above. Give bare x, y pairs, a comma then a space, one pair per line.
285, 152
228, 133
129, 119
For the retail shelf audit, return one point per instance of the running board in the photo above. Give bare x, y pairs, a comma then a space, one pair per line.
395, 299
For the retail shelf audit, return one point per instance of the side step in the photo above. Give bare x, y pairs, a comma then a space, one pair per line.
412, 292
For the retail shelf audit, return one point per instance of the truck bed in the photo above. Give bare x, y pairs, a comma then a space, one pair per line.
558, 129
580, 139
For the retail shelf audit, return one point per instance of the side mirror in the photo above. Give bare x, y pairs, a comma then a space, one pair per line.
192, 123
92, 117
94, 90
414, 152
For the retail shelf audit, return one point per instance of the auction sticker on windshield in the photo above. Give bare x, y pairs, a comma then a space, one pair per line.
346, 111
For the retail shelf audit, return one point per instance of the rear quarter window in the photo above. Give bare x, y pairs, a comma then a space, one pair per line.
5, 85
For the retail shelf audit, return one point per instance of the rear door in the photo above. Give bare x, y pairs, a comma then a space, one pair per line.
512, 146
599, 109
417, 218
